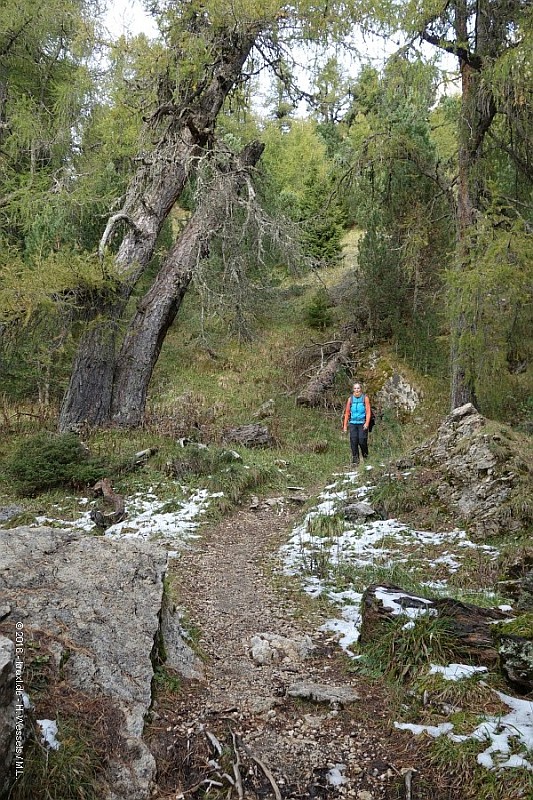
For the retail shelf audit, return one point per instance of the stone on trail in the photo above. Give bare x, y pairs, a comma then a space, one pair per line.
322, 693
268, 648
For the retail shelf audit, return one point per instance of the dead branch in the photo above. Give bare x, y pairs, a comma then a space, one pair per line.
111, 222
111, 498
269, 776
236, 767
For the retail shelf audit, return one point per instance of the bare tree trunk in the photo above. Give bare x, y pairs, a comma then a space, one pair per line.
158, 308
153, 190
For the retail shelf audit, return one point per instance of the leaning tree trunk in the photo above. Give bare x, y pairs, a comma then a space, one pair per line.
158, 308
151, 195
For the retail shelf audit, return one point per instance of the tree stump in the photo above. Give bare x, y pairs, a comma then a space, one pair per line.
470, 624
111, 498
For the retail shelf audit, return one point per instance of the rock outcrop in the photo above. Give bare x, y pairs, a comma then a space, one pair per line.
94, 606
479, 473
7, 712
398, 394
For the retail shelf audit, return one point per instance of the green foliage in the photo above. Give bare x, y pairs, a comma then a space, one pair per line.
47, 460
223, 471
395, 495
395, 173
321, 221
494, 295
318, 313
519, 626
167, 681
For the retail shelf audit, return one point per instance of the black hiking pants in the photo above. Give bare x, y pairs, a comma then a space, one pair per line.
358, 440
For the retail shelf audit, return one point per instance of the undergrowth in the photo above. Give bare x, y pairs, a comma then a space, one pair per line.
72, 772
402, 649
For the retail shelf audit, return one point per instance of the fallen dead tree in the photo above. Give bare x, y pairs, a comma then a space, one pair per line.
314, 391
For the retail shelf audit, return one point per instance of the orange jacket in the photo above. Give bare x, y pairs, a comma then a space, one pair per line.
346, 417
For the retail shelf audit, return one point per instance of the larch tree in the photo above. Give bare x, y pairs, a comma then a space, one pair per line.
207, 47
492, 40
158, 308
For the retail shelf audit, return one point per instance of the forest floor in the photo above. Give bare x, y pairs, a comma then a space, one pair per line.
240, 721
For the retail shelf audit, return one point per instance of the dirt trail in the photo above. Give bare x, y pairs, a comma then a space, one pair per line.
279, 746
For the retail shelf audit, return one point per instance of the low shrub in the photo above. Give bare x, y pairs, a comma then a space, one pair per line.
48, 460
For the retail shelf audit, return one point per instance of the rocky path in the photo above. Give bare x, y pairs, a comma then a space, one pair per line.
240, 731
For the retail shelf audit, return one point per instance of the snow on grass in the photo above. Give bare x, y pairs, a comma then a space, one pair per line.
147, 517
316, 559
49, 733
511, 732
455, 672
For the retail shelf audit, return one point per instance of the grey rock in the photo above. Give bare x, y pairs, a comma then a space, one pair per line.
8, 512
474, 469
266, 409
99, 600
7, 713
358, 512
253, 435
268, 648
179, 655
397, 393
525, 597
516, 654
322, 693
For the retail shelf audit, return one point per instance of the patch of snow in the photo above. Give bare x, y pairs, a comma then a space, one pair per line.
49, 733
455, 672
146, 518
514, 729
431, 730
390, 600
335, 777
349, 625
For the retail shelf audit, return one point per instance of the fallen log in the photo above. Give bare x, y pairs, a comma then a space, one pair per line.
312, 394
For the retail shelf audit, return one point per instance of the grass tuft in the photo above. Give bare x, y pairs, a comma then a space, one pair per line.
403, 650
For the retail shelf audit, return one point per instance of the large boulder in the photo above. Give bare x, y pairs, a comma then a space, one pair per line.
94, 603
7, 713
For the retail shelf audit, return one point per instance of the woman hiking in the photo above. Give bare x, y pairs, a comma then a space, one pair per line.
357, 416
